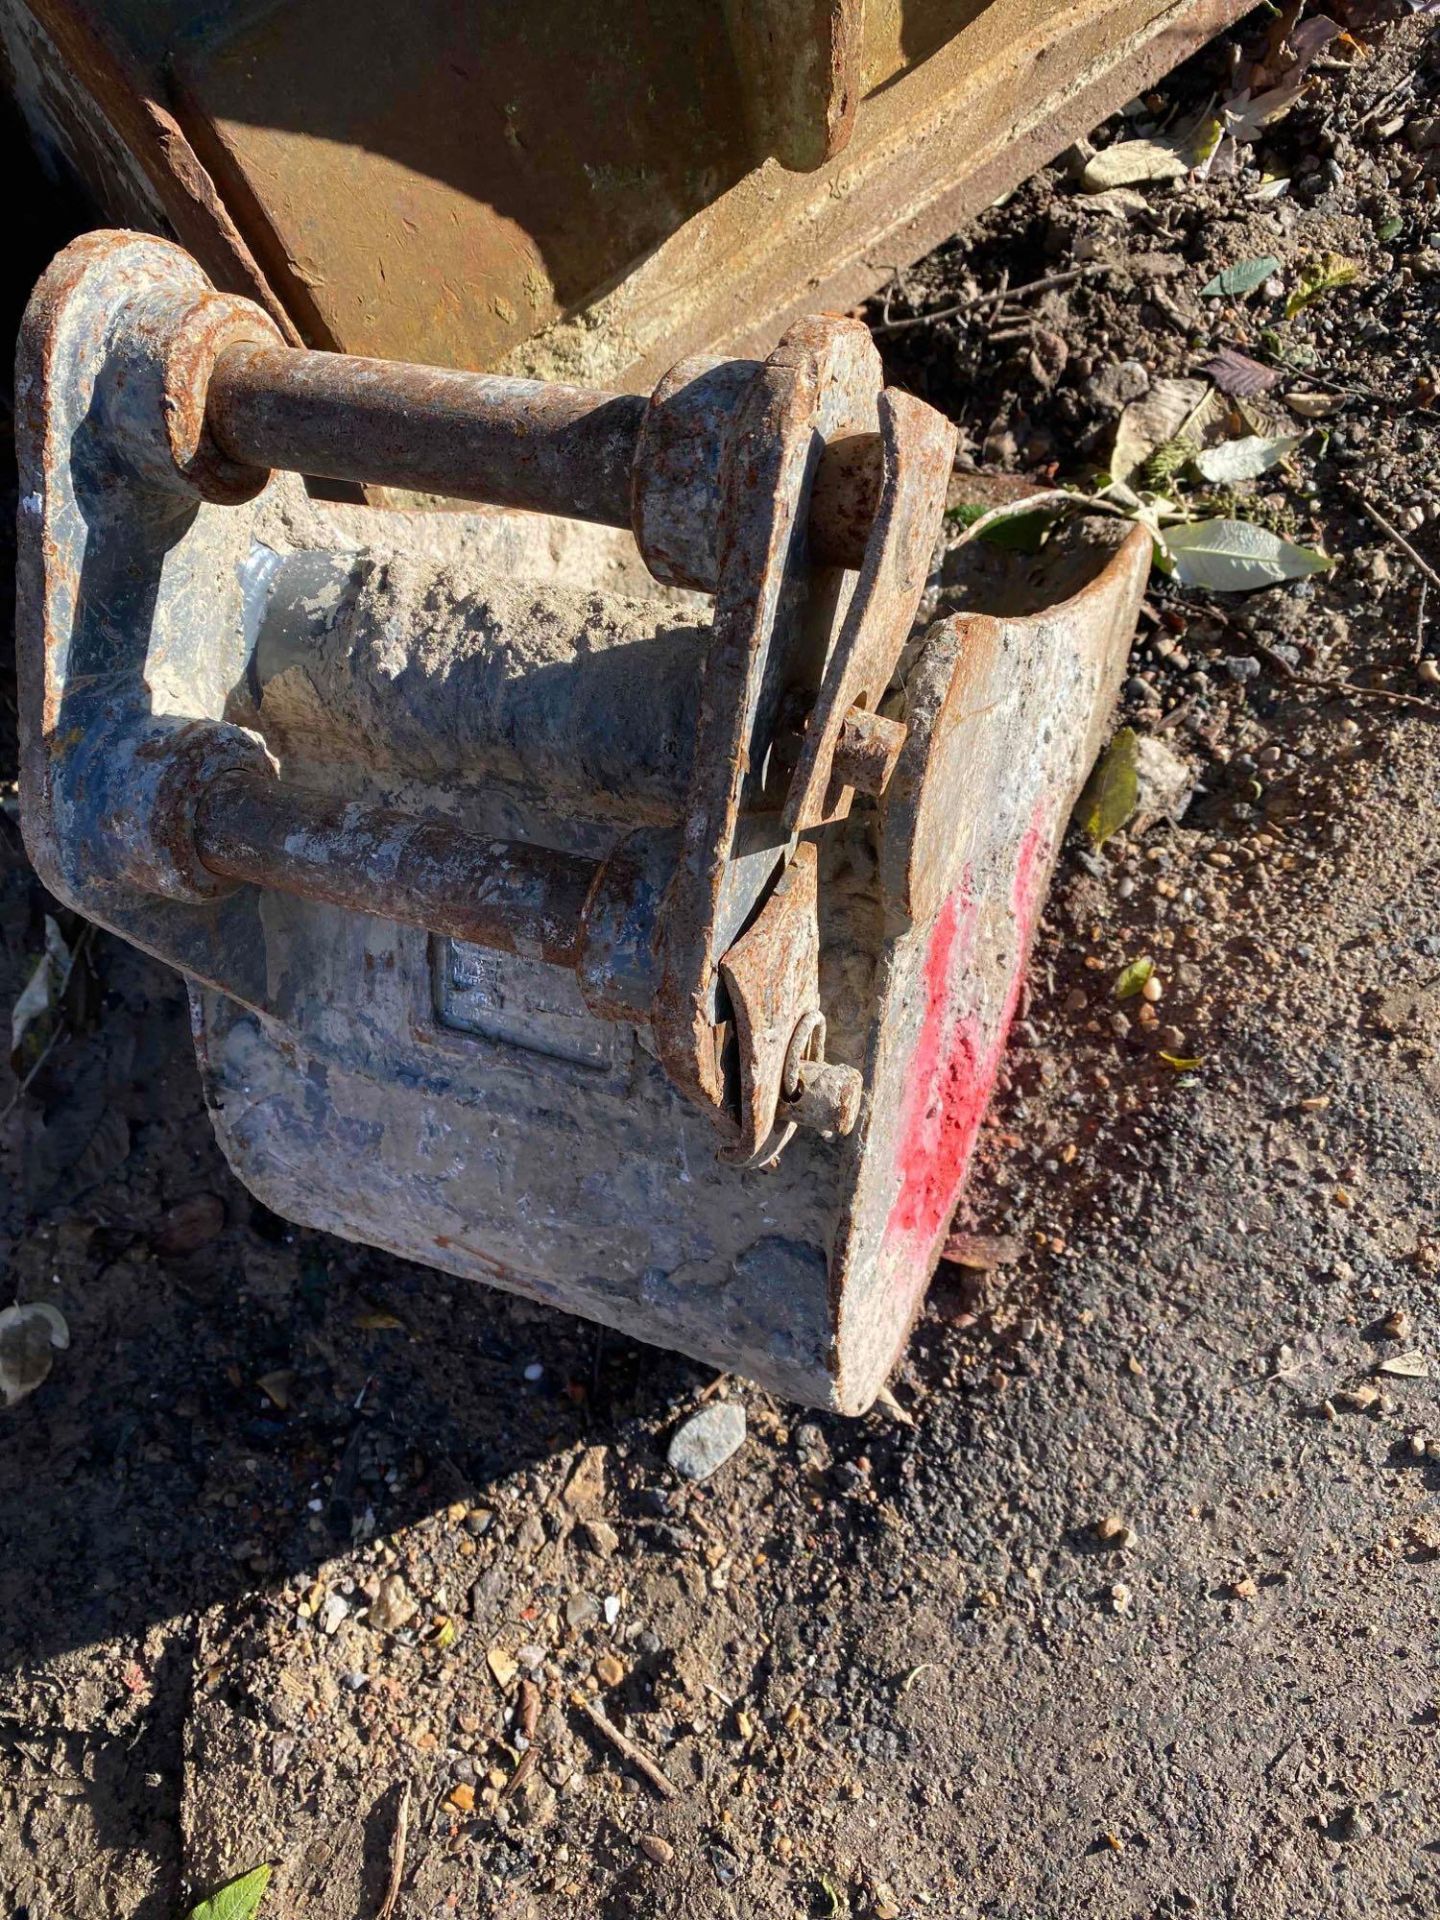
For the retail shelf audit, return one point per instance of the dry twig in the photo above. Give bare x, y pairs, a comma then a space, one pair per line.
1004, 292
627, 1749
1393, 534
397, 1854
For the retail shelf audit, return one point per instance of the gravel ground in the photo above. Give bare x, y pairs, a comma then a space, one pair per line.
1126, 1605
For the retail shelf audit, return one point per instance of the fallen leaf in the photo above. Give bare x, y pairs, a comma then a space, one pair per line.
1245, 459
1390, 229
1314, 406
831, 1895
1150, 423
276, 1387
1178, 1064
36, 1012
1321, 274
1241, 279
444, 1634
1235, 556
239, 1900
1121, 202
1133, 977
1247, 116
30, 1336
1112, 792
1131, 161
375, 1320
1406, 1366
886, 1399
1240, 376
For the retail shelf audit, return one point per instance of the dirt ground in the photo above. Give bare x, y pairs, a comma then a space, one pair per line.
1131, 1608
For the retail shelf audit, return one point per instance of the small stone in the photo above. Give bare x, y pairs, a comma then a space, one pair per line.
702, 1444
580, 1610
584, 1491
462, 1797
601, 1537
1114, 1532
609, 1671
1359, 1399
1121, 1597
531, 1535
1244, 1588
654, 1848
1396, 1325
392, 1607
611, 1606
502, 1665
1241, 667
332, 1611
1164, 783
1428, 673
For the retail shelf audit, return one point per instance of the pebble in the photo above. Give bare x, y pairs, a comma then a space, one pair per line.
601, 1536
609, 1671
580, 1610
501, 1665
332, 1611
1428, 673
585, 1489
654, 1848
702, 1444
392, 1607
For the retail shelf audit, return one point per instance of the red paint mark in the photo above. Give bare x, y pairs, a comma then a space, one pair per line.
956, 1059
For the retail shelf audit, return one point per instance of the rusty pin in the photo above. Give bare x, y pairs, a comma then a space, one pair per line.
533, 444
815, 1092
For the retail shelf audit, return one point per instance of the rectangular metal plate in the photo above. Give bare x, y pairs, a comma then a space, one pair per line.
524, 1003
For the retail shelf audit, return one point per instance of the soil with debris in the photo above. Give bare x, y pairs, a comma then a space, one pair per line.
1126, 1604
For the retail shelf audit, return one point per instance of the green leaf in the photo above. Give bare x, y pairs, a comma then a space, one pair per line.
1179, 1065
1019, 530
1133, 977
1242, 278
1390, 229
828, 1893
1235, 556
1321, 274
1112, 792
1244, 459
240, 1900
